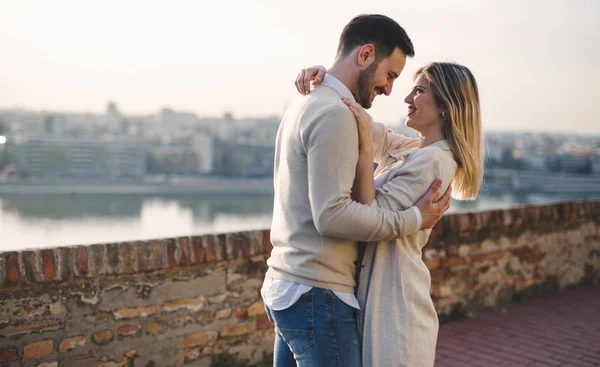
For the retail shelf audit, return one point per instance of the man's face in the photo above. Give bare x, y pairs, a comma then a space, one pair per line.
378, 78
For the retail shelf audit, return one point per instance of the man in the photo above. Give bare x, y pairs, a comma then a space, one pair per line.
309, 286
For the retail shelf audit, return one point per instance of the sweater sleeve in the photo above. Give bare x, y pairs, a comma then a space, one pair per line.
331, 146
385, 139
411, 181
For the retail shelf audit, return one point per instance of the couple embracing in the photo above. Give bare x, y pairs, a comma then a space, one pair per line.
346, 284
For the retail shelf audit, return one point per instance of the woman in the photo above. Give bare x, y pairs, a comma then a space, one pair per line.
398, 323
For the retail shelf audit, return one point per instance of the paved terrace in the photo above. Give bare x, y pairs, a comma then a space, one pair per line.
557, 330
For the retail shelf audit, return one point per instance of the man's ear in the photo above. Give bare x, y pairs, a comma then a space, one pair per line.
366, 55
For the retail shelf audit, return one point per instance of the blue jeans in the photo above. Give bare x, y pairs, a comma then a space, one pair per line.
319, 330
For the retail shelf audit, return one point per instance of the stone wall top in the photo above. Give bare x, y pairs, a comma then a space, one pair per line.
76, 263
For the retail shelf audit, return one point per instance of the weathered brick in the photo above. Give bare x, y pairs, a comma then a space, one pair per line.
436, 231
31, 266
220, 247
241, 313
142, 256
452, 250
446, 226
180, 322
131, 313
223, 313
129, 330
29, 328
127, 257
11, 268
495, 255
80, 357
266, 241
433, 264
131, 353
71, 343
2, 271
219, 298
101, 316
82, 261
231, 246
437, 275
238, 329
48, 265
172, 252
205, 317
198, 250
191, 354
465, 250
256, 243
98, 253
200, 338
210, 248
449, 262
65, 263
112, 255
103, 337
256, 309
156, 328
468, 222
48, 364
243, 245
186, 251
38, 350
8, 355
156, 248
263, 323
192, 304
460, 274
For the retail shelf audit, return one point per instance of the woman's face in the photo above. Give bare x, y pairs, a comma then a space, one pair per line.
423, 112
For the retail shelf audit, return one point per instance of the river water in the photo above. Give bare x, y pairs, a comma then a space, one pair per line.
36, 221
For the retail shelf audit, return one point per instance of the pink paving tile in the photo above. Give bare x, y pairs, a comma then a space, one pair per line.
557, 330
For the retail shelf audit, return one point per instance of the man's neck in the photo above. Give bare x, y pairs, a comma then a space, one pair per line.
345, 74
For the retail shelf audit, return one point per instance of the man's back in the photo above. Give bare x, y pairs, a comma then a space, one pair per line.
303, 252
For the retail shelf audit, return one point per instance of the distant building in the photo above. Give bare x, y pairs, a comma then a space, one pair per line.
169, 118
54, 125
80, 158
202, 145
572, 163
226, 129
113, 118
535, 161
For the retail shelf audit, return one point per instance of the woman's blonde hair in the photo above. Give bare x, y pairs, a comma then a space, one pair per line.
456, 90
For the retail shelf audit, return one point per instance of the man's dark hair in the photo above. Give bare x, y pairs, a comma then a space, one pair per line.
380, 31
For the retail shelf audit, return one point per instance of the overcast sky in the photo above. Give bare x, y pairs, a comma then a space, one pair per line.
537, 62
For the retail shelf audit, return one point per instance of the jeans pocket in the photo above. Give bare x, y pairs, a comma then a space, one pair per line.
295, 324
299, 341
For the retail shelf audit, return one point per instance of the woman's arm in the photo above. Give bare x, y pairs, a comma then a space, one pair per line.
410, 181
385, 140
363, 189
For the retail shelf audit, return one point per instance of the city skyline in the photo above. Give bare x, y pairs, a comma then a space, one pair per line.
537, 62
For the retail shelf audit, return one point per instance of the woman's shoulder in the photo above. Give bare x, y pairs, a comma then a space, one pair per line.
437, 156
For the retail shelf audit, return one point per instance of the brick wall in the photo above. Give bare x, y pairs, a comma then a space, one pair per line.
176, 301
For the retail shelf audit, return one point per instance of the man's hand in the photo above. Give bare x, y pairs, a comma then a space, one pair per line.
432, 211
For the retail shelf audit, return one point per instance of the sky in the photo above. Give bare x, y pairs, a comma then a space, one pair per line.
537, 62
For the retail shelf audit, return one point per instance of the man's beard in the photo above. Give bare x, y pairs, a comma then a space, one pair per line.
364, 84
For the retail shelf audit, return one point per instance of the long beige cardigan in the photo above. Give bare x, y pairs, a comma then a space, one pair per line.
398, 323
